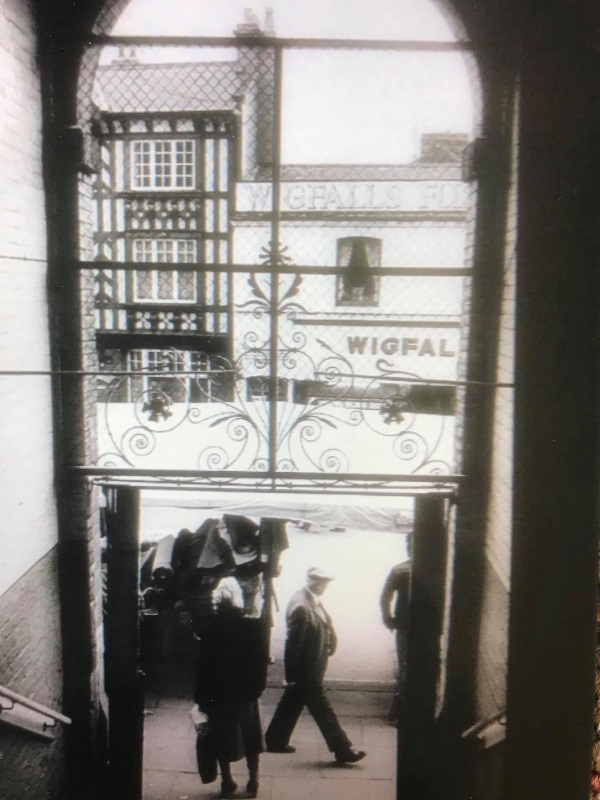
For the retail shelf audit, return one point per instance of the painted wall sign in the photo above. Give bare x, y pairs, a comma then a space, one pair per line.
427, 352
339, 196
401, 345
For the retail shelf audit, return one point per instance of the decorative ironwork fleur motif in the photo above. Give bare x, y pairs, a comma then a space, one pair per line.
282, 258
260, 304
157, 406
392, 408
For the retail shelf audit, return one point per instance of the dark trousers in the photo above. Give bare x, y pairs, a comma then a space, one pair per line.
400, 690
291, 705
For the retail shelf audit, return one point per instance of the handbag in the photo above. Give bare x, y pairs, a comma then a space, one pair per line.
205, 757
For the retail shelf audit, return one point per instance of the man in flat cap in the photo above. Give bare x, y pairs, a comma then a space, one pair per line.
310, 641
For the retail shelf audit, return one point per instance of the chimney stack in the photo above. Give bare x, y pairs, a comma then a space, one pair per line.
250, 26
269, 22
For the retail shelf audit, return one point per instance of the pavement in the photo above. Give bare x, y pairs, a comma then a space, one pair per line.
309, 774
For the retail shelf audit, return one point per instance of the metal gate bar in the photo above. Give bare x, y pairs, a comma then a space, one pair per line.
424, 46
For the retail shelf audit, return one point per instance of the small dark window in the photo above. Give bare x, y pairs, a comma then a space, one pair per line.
358, 286
260, 386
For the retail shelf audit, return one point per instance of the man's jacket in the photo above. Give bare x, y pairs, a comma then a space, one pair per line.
310, 639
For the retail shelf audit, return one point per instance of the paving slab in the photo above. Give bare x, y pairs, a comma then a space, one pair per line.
157, 785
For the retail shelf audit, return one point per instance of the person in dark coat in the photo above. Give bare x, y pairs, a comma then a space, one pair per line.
231, 676
310, 641
395, 599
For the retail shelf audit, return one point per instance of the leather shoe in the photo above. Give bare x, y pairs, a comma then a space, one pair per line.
349, 756
228, 790
286, 748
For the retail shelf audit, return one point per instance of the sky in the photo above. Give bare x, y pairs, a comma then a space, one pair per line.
339, 107
362, 19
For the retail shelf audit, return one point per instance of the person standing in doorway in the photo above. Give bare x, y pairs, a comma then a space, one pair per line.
310, 641
395, 600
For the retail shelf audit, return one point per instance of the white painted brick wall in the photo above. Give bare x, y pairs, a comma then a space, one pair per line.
499, 527
27, 512
493, 642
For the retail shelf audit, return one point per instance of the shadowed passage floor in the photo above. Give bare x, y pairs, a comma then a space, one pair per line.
169, 749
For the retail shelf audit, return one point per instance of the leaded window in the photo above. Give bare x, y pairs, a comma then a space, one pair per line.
170, 375
165, 285
163, 164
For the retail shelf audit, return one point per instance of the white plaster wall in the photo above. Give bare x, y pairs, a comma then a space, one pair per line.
27, 513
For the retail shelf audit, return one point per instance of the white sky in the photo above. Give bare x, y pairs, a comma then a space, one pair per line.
338, 106
362, 19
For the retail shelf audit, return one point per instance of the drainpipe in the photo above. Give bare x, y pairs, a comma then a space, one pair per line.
77, 534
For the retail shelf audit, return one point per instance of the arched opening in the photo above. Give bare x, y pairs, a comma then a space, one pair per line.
279, 270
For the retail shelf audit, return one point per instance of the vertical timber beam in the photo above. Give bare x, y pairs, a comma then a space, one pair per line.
416, 727
124, 680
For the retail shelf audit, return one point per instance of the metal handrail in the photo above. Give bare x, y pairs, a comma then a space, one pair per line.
482, 724
31, 704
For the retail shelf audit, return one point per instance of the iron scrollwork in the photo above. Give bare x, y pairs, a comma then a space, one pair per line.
326, 423
330, 418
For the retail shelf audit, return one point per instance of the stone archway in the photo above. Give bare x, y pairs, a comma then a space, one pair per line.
112, 12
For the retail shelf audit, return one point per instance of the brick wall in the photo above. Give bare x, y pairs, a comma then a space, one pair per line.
476, 655
30, 642
493, 643
31, 768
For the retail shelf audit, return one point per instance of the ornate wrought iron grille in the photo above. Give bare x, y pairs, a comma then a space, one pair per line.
260, 323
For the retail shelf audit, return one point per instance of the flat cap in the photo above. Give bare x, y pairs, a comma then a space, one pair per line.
319, 574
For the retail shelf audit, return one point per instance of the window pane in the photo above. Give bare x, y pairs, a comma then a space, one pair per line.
143, 285
223, 164
141, 165
163, 164
186, 287
358, 287
199, 362
223, 220
209, 165
210, 251
153, 360
135, 360
209, 216
184, 161
164, 250
222, 287
163, 167
186, 251
165, 285
142, 250
210, 288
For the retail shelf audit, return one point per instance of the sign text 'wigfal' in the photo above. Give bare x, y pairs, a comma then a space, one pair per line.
404, 346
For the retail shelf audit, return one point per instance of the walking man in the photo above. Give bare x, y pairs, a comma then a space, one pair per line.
310, 641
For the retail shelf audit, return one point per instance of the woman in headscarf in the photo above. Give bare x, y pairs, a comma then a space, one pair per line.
231, 676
